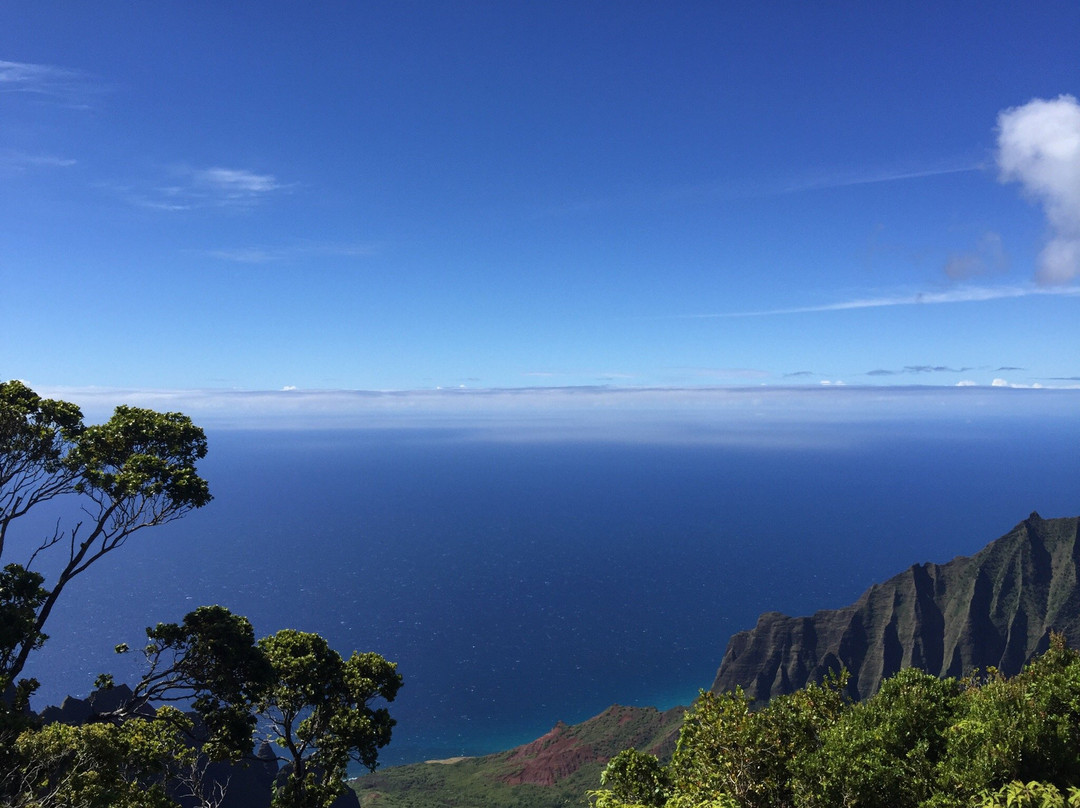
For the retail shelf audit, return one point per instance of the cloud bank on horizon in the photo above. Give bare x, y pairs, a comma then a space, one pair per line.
759, 416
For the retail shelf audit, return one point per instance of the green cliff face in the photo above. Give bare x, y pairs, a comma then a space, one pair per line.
995, 608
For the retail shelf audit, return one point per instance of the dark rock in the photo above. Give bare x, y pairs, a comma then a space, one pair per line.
995, 608
108, 700
73, 711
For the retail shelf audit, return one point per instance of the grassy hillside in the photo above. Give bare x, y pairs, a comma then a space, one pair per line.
552, 771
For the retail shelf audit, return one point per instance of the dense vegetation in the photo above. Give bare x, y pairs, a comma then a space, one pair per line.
920, 742
136, 471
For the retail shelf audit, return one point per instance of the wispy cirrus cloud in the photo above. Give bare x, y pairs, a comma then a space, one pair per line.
269, 255
969, 294
184, 188
762, 187
1039, 147
58, 85
13, 160
917, 369
234, 183
820, 179
824, 180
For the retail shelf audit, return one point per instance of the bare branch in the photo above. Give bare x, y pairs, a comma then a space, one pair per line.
192, 783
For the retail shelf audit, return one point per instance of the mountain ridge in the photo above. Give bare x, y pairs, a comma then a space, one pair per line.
995, 608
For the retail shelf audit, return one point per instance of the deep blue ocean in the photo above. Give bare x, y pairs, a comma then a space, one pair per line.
522, 583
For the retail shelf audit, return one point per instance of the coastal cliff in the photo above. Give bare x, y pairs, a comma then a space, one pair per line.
995, 608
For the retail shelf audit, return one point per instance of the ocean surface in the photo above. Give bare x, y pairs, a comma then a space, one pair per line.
519, 583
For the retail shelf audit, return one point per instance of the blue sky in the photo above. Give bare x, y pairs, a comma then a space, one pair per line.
412, 195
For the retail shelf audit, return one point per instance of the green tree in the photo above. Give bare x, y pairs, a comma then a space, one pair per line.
102, 765
315, 705
135, 471
919, 742
1024, 728
318, 706
885, 750
731, 754
21, 596
36, 435
635, 778
1019, 794
209, 660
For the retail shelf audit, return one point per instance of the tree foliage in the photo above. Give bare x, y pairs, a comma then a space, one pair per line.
319, 708
211, 661
136, 470
920, 741
633, 777
1019, 794
98, 765
885, 750
728, 751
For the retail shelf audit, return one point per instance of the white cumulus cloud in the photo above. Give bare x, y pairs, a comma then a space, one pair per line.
1039, 147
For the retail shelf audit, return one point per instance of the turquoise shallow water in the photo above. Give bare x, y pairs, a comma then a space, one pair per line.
518, 584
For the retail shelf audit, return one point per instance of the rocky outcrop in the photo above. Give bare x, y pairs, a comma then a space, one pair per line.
995, 608
81, 711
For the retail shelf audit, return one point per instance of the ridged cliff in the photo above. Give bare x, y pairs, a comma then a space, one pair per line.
995, 608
